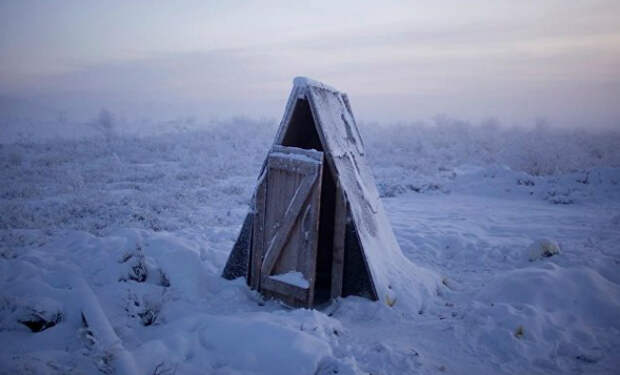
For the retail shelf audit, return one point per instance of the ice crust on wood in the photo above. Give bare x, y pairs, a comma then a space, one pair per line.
294, 278
294, 157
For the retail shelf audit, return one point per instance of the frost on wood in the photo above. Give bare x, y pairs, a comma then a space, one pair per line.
320, 118
392, 275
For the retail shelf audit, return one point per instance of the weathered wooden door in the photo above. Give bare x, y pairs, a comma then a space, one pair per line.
284, 246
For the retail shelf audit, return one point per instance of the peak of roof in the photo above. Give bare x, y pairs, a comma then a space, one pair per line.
305, 81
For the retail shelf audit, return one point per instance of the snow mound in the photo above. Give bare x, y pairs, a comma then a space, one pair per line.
543, 248
550, 316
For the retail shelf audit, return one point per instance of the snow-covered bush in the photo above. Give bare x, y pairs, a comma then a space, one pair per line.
543, 150
120, 179
543, 248
105, 124
129, 180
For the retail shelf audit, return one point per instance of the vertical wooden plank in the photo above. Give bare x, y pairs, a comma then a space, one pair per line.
286, 222
313, 235
258, 230
340, 223
289, 254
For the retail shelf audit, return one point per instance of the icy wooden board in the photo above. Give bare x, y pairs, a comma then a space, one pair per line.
290, 217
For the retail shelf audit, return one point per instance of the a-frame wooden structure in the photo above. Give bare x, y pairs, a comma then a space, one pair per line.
317, 229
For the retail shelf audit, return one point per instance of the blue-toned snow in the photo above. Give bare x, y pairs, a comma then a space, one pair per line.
133, 232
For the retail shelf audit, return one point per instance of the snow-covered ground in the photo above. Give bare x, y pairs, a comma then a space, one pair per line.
112, 248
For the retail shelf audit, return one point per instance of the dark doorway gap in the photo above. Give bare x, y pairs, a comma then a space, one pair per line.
302, 133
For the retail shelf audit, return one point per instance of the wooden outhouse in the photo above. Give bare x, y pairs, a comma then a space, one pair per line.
317, 229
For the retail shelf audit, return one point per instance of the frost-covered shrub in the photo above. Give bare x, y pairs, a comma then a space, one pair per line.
543, 248
428, 149
105, 124
157, 182
171, 180
146, 309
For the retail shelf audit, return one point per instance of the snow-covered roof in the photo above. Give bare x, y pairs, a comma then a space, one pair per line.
305, 81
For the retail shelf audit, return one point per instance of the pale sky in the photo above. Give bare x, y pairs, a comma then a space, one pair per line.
515, 61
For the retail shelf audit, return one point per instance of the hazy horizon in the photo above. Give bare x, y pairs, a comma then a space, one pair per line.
399, 62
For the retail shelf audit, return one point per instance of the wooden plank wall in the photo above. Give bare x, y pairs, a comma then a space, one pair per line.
340, 221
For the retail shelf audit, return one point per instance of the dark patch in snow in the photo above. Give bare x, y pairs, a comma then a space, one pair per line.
559, 198
138, 270
525, 182
584, 180
40, 321
586, 358
147, 308
148, 316
164, 368
163, 279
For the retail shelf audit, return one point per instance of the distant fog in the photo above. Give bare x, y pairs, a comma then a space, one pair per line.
511, 63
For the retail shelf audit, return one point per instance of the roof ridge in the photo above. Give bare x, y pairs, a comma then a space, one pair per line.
305, 81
